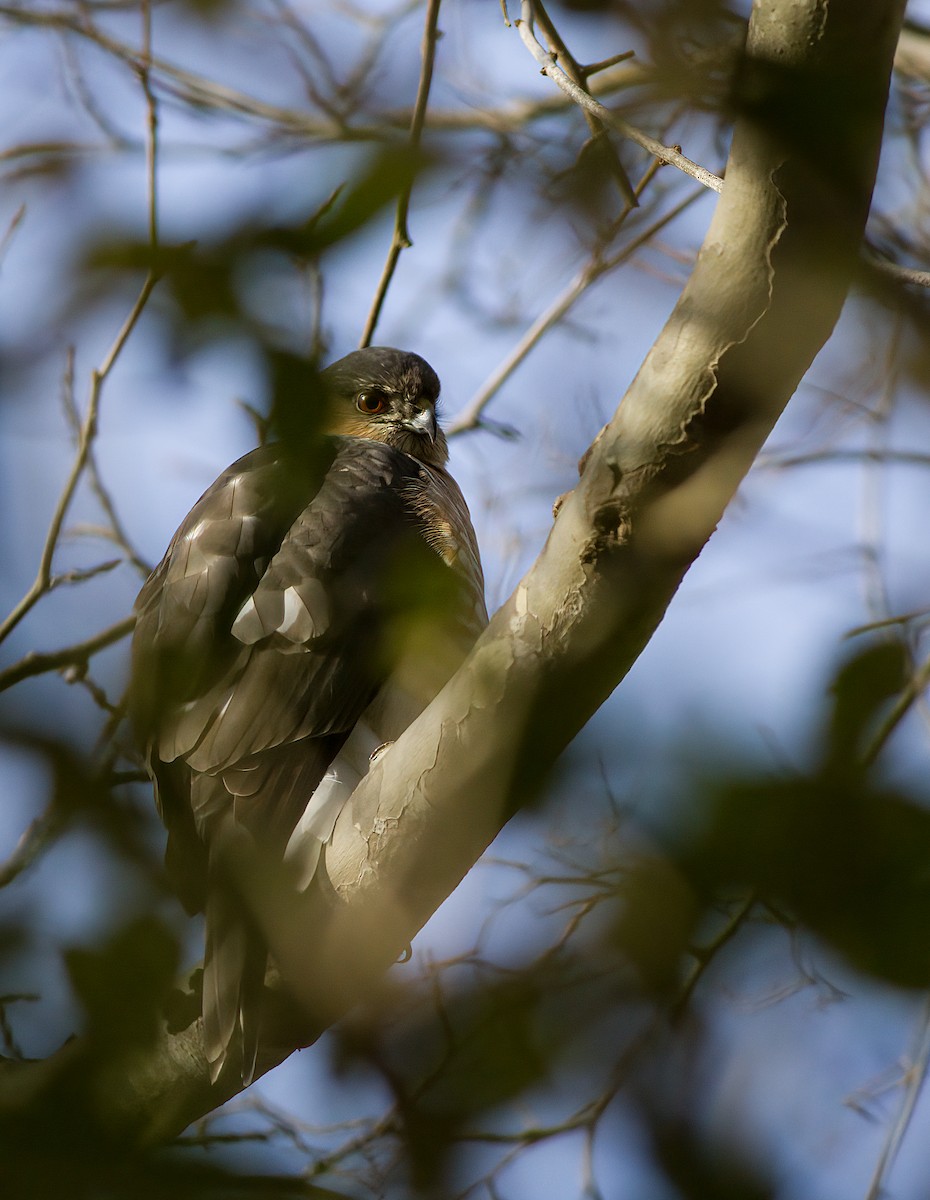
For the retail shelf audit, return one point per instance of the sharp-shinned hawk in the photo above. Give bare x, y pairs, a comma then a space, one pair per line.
303, 615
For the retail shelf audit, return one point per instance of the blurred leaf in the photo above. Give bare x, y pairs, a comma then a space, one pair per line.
700, 1171
851, 864
124, 983
297, 414
380, 182
656, 922
862, 688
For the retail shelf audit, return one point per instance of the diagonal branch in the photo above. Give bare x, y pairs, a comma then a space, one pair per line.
579, 76
571, 88
40, 663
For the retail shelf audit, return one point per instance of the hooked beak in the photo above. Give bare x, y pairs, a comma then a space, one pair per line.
424, 423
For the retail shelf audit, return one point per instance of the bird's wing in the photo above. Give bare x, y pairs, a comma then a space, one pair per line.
285, 644
261, 639
215, 559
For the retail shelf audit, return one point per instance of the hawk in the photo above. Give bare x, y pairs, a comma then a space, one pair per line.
308, 608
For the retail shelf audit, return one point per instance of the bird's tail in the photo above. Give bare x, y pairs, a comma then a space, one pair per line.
234, 967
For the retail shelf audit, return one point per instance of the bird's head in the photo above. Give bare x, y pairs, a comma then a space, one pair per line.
389, 396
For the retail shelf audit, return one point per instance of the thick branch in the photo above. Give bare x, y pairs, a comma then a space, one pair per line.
765, 293
764, 296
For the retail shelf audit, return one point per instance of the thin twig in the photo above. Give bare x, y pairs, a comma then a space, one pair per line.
906, 618
579, 76
704, 955
35, 838
204, 93
116, 532
897, 272
916, 685
144, 68
42, 581
40, 663
400, 238
908, 458
915, 1078
10, 230
554, 72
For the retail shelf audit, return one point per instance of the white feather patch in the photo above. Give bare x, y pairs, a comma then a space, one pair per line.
247, 627
297, 624
306, 611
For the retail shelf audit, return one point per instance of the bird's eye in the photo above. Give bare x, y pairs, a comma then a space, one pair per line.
371, 403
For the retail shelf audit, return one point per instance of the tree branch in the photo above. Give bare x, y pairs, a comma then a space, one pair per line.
38, 663
553, 71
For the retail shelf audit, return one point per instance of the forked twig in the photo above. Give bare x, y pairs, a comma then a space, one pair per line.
550, 68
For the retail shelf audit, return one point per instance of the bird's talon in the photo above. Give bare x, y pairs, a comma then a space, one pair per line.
378, 751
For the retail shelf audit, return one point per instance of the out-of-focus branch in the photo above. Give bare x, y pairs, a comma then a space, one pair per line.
916, 686
550, 68
34, 840
910, 275
86, 430
144, 69
912, 57
114, 530
10, 231
40, 663
400, 237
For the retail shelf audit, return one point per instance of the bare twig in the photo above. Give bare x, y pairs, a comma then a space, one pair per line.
39, 663
583, 98
36, 837
916, 686
201, 92
144, 68
704, 955
400, 238
914, 1081
42, 582
906, 618
115, 531
10, 230
579, 76
815, 458
900, 274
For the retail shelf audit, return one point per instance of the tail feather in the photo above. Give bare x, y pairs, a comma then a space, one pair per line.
233, 980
